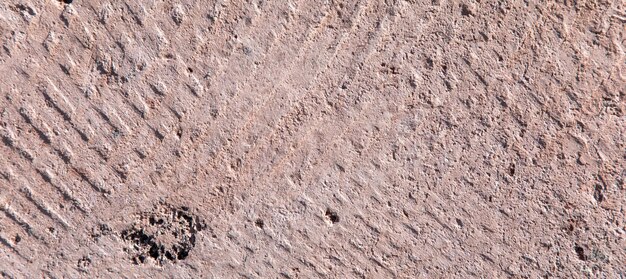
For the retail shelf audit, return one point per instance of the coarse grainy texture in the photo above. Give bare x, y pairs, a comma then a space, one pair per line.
312, 139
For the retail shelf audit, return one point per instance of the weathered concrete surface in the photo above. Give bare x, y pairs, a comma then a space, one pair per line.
304, 139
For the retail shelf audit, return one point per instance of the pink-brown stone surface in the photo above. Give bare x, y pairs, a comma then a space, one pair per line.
312, 139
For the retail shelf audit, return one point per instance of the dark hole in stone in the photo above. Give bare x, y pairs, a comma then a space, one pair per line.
67, 1
448, 85
512, 169
155, 251
155, 221
580, 251
332, 215
84, 262
65, 69
190, 70
182, 254
169, 256
465, 10
18, 238
429, 63
179, 133
259, 223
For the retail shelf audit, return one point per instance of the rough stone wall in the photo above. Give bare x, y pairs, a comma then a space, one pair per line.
308, 139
